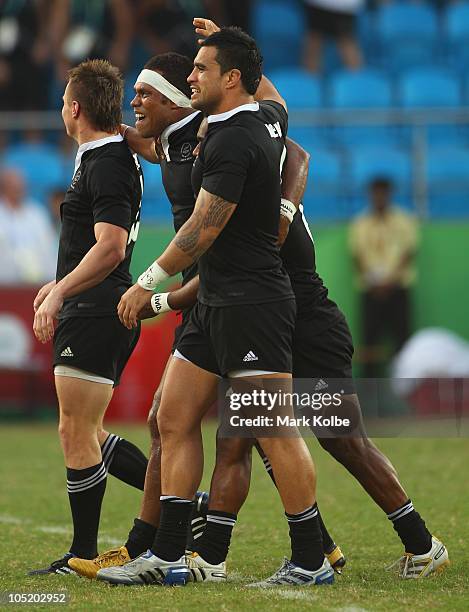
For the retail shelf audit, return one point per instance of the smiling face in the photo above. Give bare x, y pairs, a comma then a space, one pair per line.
207, 83
153, 111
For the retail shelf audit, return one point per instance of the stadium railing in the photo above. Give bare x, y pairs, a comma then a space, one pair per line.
413, 132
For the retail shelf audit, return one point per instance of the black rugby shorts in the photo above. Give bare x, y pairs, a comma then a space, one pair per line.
324, 357
99, 345
241, 337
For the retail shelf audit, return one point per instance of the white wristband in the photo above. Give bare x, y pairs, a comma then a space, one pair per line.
159, 303
152, 277
287, 209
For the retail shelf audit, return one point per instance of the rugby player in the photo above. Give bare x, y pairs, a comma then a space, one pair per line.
322, 351
245, 301
100, 222
164, 120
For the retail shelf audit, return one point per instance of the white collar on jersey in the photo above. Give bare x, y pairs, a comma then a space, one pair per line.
165, 134
253, 106
94, 144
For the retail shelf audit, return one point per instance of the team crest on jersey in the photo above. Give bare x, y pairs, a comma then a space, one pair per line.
76, 178
186, 151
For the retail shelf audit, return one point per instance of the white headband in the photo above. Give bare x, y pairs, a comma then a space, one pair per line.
158, 82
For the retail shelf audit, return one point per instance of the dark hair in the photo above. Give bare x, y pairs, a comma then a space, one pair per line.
381, 182
236, 49
98, 86
175, 68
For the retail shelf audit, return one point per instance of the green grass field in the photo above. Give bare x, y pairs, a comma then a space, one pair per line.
34, 521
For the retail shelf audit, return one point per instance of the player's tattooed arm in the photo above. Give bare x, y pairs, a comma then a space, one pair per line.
211, 214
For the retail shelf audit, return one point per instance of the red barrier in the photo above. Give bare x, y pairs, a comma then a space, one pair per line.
32, 383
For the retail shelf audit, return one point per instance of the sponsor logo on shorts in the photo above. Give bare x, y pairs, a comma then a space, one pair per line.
67, 352
250, 357
320, 385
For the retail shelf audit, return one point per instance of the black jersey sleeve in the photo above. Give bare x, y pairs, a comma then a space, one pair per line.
110, 185
279, 111
227, 157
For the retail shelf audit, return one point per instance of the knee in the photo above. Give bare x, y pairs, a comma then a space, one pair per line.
75, 436
168, 425
346, 450
152, 420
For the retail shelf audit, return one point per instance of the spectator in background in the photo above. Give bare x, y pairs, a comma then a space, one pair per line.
334, 19
383, 243
28, 244
24, 54
82, 29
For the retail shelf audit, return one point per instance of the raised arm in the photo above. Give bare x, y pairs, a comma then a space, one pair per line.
145, 147
294, 177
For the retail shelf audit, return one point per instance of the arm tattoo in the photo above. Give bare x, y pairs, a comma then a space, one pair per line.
187, 239
217, 212
215, 216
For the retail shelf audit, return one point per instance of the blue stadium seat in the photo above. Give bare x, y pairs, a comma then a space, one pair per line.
433, 88
424, 87
299, 88
279, 28
367, 163
155, 204
323, 196
456, 30
362, 89
310, 137
40, 164
407, 33
447, 172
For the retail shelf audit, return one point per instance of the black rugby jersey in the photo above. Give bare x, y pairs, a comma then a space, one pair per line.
106, 187
240, 161
178, 142
299, 258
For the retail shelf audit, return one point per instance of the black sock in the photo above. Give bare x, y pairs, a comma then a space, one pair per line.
85, 491
140, 538
124, 461
198, 519
171, 535
411, 528
214, 543
266, 462
327, 542
306, 540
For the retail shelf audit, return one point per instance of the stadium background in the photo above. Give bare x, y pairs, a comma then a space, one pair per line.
404, 114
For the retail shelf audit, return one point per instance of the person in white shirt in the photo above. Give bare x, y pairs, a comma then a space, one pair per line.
28, 242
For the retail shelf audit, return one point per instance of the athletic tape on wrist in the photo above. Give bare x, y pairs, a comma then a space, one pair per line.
158, 82
287, 209
152, 277
159, 303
